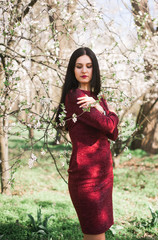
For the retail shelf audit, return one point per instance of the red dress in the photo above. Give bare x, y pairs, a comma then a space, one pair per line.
90, 170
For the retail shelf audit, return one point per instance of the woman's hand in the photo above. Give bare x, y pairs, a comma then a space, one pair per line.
87, 102
111, 107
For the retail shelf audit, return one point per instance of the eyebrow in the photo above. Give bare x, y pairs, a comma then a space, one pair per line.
86, 63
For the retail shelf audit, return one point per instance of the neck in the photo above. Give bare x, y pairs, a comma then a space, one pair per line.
84, 87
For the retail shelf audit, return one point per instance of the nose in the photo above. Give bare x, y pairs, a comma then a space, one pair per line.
84, 69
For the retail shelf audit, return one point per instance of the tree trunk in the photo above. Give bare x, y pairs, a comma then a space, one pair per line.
31, 133
142, 17
64, 47
147, 137
4, 161
5, 169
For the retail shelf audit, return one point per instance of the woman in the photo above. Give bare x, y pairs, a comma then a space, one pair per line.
90, 124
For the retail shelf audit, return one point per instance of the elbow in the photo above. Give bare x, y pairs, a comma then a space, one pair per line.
113, 136
111, 128
111, 125
108, 130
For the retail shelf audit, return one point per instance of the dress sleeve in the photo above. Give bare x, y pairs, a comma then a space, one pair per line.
94, 118
113, 136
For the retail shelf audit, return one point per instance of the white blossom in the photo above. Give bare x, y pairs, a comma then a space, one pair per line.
45, 101
129, 156
53, 10
29, 125
62, 124
37, 125
57, 51
32, 160
140, 13
43, 152
74, 117
125, 149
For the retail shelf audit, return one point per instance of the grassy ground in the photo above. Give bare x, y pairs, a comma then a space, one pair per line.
135, 190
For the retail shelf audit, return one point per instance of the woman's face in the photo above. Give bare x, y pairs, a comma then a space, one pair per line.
83, 71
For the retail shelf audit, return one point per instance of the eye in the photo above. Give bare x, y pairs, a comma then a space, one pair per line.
89, 66
79, 67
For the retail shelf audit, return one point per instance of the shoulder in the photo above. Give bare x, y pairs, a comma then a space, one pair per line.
73, 94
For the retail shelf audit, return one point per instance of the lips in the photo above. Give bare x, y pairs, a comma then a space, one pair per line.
84, 76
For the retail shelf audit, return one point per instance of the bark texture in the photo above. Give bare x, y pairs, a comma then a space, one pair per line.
5, 169
147, 136
147, 119
15, 16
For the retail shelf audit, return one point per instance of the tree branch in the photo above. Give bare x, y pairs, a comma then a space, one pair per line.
27, 9
142, 16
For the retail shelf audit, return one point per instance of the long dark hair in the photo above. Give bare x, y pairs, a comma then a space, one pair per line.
71, 81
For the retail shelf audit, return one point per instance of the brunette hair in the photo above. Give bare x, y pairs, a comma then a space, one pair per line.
71, 81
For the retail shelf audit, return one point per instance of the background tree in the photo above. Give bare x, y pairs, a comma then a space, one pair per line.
17, 75
147, 119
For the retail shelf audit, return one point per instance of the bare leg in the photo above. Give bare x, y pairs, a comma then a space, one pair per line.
94, 237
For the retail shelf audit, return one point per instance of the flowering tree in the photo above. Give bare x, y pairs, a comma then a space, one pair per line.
11, 19
147, 134
36, 39
25, 93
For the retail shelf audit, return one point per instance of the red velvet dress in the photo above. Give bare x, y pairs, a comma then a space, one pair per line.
90, 170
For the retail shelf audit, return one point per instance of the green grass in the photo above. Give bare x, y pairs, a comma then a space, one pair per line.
135, 189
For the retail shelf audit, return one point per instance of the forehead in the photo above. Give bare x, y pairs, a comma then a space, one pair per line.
84, 59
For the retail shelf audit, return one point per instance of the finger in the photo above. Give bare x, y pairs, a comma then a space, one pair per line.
80, 98
82, 101
83, 106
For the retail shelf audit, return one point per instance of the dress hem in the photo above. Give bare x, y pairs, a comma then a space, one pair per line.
99, 232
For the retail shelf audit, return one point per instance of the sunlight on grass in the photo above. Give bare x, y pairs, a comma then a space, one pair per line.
41, 186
